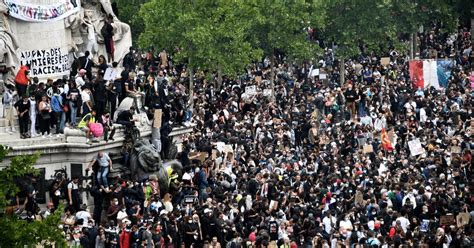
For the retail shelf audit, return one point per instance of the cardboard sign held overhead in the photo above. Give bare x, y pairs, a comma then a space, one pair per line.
157, 118
110, 74
385, 61
267, 92
415, 147
368, 148
251, 90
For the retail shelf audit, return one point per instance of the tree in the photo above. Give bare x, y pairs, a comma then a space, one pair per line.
376, 24
128, 11
14, 231
210, 35
280, 26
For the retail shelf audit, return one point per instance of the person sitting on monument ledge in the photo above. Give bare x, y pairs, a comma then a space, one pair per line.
126, 118
108, 127
84, 125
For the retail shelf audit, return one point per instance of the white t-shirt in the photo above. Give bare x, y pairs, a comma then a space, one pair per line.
404, 222
83, 215
327, 223
72, 185
85, 96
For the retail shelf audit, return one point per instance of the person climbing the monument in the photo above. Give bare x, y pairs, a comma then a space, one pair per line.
84, 125
86, 63
107, 32
105, 166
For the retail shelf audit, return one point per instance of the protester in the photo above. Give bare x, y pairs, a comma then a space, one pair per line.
321, 164
22, 108
8, 110
45, 111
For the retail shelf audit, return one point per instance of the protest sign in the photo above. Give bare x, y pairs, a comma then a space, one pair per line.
220, 146
455, 149
314, 72
415, 147
322, 76
368, 148
157, 118
110, 74
385, 61
46, 62
447, 220
267, 92
251, 90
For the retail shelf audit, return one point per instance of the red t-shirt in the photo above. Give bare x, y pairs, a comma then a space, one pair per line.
21, 77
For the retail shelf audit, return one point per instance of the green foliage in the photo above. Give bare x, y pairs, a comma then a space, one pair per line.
15, 232
350, 23
128, 12
204, 34
280, 25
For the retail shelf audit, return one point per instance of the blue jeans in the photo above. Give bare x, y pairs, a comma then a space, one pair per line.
102, 176
73, 113
61, 118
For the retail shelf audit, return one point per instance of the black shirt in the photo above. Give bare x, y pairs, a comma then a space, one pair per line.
125, 116
350, 95
22, 107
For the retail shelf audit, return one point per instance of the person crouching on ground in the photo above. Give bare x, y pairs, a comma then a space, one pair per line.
84, 125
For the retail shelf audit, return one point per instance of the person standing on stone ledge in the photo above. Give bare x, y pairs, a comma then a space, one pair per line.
107, 32
22, 79
8, 109
22, 107
86, 63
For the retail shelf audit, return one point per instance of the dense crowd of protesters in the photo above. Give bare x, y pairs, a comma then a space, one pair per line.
297, 174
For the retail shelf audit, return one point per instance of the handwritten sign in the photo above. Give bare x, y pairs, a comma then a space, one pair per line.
447, 220
267, 92
46, 62
157, 118
251, 90
368, 148
385, 61
415, 147
110, 74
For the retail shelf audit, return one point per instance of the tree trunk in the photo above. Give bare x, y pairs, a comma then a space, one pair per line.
272, 75
342, 70
219, 76
412, 46
191, 87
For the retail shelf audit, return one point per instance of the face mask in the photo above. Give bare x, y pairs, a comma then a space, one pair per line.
190, 221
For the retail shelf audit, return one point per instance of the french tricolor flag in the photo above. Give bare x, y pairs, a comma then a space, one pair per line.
427, 73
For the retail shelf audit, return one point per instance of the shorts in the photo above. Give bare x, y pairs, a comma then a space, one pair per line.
85, 129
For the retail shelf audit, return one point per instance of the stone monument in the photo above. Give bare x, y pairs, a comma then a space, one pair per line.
50, 34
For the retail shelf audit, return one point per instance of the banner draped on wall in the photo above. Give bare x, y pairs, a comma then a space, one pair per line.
42, 13
46, 62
